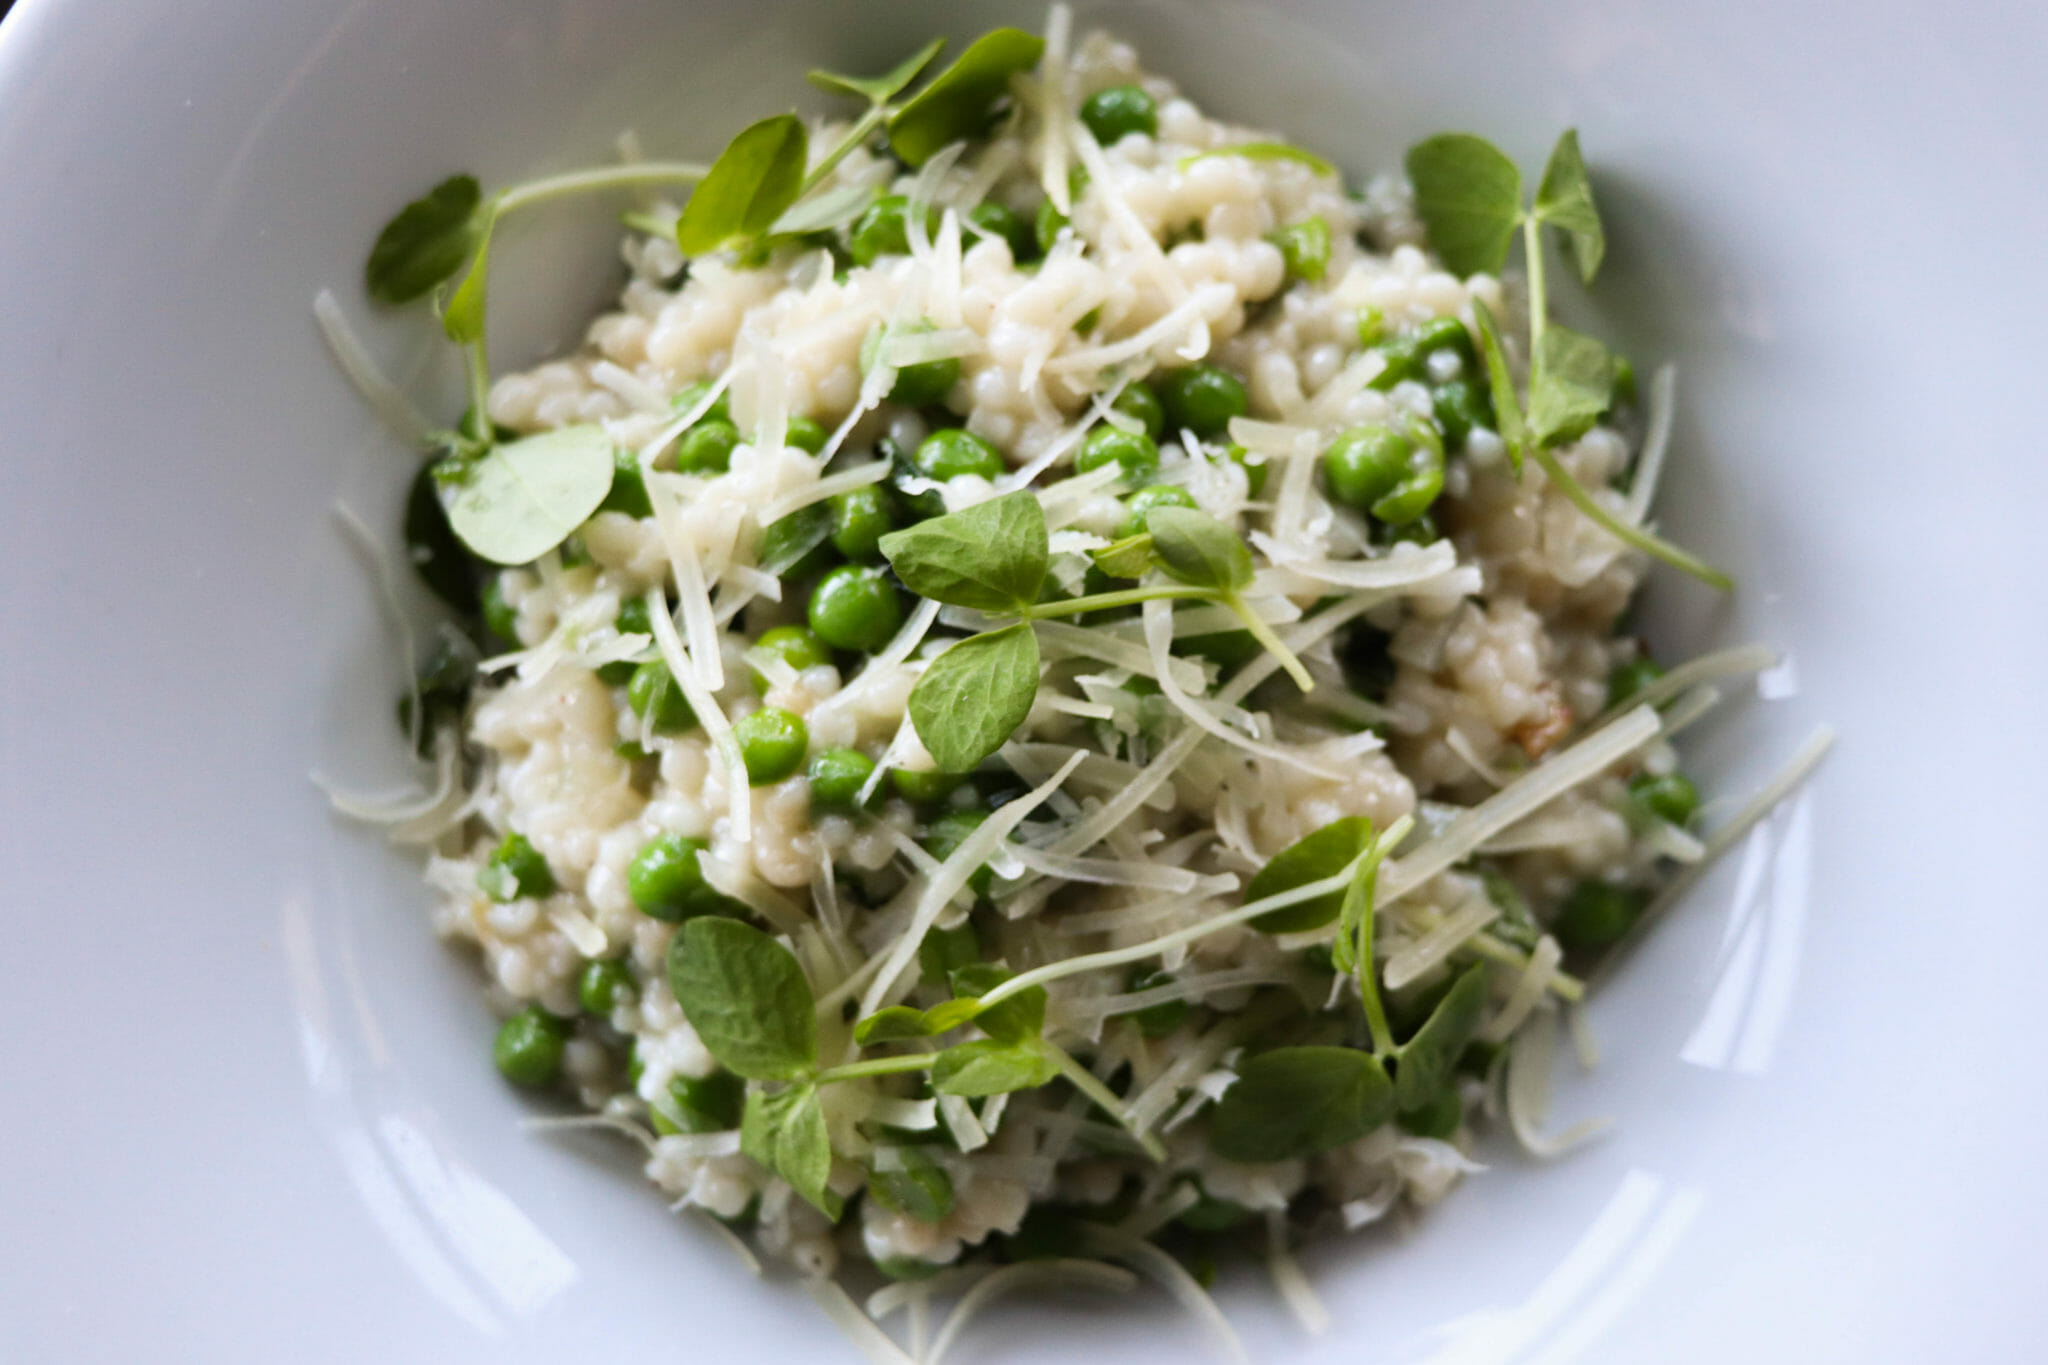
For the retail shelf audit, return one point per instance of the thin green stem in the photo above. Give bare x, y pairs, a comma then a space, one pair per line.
1274, 645
1654, 546
1105, 601
1104, 1098
1563, 985
1369, 973
878, 1066
603, 178
1539, 300
869, 121
477, 369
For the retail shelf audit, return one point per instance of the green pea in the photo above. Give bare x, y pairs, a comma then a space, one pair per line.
806, 435
500, 617
1046, 227
923, 788
856, 607
1133, 450
1147, 498
999, 220
1461, 407
952, 451
701, 1104
628, 492
795, 646
1439, 1118
1155, 1021
631, 620
656, 697
666, 880
1305, 247
1372, 326
1671, 797
529, 1048
860, 518
1202, 398
1365, 464
772, 743
693, 394
1115, 113
944, 835
1254, 471
1137, 399
1411, 498
925, 383
1596, 915
837, 776
1630, 678
603, 985
1408, 354
883, 230
707, 447
515, 870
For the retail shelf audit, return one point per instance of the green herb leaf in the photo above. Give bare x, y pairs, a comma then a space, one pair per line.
441, 560
1324, 853
975, 695
746, 997
1297, 1101
523, 498
1014, 1020
958, 102
1424, 1064
786, 1133
786, 541
426, 243
1130, 557
1266, 151
878, 89
1507, 404
1470, 198
1198, 549
991, 557
1352, 951
943, 950
463, 321
990, 1066
831, 208
1305, 246
895, 1024
754, 179
921, 1188
1565, 200
1570, 385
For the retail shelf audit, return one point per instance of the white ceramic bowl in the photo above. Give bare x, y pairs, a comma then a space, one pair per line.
249, 1112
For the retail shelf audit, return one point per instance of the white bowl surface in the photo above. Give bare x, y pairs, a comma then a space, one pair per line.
250, 1112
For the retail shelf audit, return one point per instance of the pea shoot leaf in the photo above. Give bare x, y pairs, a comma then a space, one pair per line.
1565, 200
991, 557
786, 541
895, 1024
1570, 385
523, 498
1198, 549
1265, 151
958, 102
945, 949
754, 180
883, 88
919, 1186
975, 695
1470, 198
1507, 404
1324, 853
746, 997
785, 1132
1016, 1019
1297, 1101
463, 320
441, 560
1424, 1064
1130, 557
425, 243
990, 1066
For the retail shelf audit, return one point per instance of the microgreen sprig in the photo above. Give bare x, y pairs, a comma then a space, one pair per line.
993, 558
1470, 197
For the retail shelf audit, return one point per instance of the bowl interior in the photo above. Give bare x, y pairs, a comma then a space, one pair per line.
323, 1129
